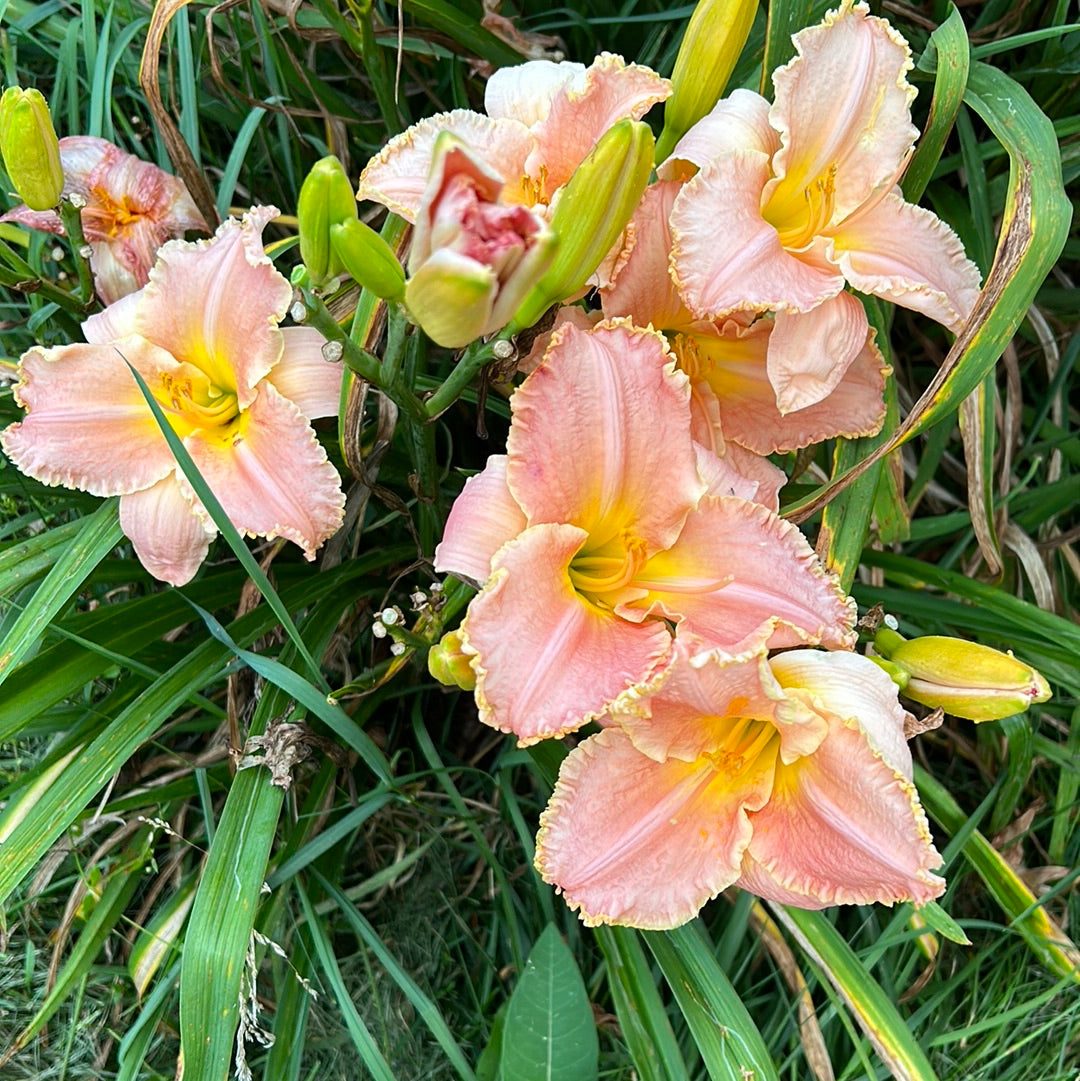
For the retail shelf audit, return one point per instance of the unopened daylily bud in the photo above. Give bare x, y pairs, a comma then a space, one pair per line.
326, 199
473, 259
591, 213
368, 259
710, 47
449, 665
963, 678
30, 148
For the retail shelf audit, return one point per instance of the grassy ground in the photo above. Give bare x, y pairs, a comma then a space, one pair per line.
375, 917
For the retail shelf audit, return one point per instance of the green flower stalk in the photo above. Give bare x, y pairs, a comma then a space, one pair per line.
326, 199
711, 46
591, 213
963, 678
367, 259
30, 148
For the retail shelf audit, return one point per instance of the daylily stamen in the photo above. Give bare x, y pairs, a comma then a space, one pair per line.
534, 189
812, 215
744, 744
608, 567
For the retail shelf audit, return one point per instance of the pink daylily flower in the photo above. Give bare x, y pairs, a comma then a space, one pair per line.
473, 260
735, 363
239, 391
595, 531
132, 208
542, 120
805, 192
789, 777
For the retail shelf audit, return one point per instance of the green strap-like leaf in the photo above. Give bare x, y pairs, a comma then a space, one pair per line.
873, 1010
726, 1035
549, 1033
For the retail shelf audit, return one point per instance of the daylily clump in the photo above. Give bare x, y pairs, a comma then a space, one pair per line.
788, 776
132, 208
596, 534
238, 390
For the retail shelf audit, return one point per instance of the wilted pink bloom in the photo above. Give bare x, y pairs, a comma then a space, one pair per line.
473, 259
794, 200
594, 532
736, 363
132, 208
789, 777
542, 120
238, 390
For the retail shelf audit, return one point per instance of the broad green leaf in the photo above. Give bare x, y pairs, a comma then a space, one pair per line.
550, 1034
159, 937
937, 918
729, 1041
1065, 801
872, 1008
1020, 757
463, 25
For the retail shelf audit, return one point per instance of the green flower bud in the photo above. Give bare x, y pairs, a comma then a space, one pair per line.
30, 148
449, 665
590, 214
710, 47
367, 259
963, 678
326, 199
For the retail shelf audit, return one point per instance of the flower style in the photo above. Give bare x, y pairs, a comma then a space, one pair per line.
807, 197
235, 388
736, 380
132, 208
542, 120
594, 532
472, 259
788, 776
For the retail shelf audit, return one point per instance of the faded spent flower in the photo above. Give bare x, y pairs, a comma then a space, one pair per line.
203, 334
132, 208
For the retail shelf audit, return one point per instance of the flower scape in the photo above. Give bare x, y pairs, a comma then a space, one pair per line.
676, 304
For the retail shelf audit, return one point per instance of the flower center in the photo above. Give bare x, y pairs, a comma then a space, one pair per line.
104, 218
799, 217
193, 403
606, 568
743, 744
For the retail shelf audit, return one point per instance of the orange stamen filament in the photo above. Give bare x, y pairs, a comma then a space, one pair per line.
746, 741
608, 567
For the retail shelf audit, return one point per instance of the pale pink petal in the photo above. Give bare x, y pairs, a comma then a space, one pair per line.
736, 571
568, 313
547, 660
600, 436
842, 827
843, 104
908, 255
748, 412
810, 352
643, 288
87, 424
114, 322
216, 304
398, 174
305, 376
850, 686
727, 258
169, 539
737, 122
80, 155
271, 475
48, 221
483, 518
703, 700
628, 840
613, 90
758, 470
114, 278
524, 92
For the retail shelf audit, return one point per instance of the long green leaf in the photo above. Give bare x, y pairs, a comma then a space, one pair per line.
872, 1008
100, 533
724, 1031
